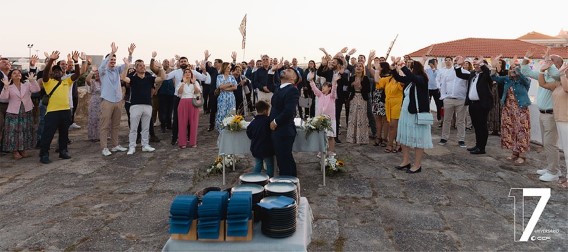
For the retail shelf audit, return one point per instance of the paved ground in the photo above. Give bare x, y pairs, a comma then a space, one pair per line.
458, 202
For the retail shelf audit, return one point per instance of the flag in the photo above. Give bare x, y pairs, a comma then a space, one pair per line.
243, 29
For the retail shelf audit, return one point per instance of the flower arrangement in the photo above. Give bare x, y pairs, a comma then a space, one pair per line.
334, 166
317, 123
234, 123
217, 166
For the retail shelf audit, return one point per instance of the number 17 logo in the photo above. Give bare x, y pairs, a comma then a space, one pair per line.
544, 194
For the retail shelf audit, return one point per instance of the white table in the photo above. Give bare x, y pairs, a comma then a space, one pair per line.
237, 142
299, 241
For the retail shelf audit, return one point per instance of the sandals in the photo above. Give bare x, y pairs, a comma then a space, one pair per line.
378, 141
388, 149
513, 157
398, 148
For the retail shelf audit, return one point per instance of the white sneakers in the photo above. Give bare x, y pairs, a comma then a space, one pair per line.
546, 176
118, 148
148, 148
106, 152
130, 151
74, 126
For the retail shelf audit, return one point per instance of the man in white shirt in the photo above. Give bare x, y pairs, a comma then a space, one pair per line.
453, 91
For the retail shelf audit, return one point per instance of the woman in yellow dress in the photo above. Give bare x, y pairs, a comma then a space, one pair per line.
393, 101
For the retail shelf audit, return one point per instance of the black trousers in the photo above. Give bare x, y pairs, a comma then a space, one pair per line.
55, 121
175, 120
478, 116
212, 109
206, 90
284, 158
75, 105
338, 106
439, 103
166, 110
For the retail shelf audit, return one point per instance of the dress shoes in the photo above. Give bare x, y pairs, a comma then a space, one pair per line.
477, 151
337, 140
64, 155
472, 148
44, 160
417, 171
398, 167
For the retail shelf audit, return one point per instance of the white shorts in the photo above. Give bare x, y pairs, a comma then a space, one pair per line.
331, 133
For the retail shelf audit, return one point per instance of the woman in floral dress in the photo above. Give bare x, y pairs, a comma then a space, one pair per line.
226, 100
94, 83
359, 86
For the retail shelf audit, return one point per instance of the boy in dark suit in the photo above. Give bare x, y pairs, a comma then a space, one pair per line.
259, 133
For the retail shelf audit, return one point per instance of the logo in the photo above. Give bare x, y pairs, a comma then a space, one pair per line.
544, 194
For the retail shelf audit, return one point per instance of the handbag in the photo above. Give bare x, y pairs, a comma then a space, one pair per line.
217, 92
197, 102
45, 98
422, 118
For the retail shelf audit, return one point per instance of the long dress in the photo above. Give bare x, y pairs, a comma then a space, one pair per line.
93, 131
358, 128
225, 101
18, 131
515, 125
409, 132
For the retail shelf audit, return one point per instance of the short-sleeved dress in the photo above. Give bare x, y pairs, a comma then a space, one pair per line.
225, 101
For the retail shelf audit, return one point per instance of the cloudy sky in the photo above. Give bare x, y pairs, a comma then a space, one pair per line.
286, 29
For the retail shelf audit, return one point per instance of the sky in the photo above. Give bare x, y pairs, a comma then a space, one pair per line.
288, 29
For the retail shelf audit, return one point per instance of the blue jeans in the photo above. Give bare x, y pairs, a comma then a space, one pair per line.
269, 165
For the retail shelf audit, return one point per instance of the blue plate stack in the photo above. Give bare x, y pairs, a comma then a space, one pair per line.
182, 212
239, 212
211, 211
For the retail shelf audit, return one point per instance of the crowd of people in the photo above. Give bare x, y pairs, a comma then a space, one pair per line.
384, 101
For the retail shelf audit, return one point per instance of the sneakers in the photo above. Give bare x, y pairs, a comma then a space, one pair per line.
130, 151
443, 141
541, 171
549, 177
147, 148
462, 144
106, 152
74, 126
118, 148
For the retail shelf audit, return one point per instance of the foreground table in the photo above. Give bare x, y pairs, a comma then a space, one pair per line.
237, 142
297, 242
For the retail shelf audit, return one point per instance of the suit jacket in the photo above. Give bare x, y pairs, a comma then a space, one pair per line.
283, 111
16, 97
484, 84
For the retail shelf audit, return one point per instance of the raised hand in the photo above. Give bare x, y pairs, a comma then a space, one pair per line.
460, 60
372, 54
310, 76
547, 64
69, 57
234, 56
207, 54
131, 48
6, 82
172, 62
113, 48
33, 60
46, 54
546, 54
353, 51
54, 55
89, 60
344, 49
202, 65
157, 64
529, 53
563, 68
31, 76
495, 60
177, 57
75, 56
337, 76
154, 54
83, 56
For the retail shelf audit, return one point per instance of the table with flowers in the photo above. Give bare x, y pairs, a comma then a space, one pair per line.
231, 142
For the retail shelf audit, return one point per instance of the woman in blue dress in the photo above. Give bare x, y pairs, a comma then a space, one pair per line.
410, 134
226, 100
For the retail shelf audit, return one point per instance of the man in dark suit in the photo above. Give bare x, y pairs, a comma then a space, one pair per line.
479, 99
282, 113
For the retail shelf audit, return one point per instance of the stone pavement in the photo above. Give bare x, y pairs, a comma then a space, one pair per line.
117, 203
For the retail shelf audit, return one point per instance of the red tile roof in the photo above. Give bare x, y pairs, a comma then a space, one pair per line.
535, 35
473, 47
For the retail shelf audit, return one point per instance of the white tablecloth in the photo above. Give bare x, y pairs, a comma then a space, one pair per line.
237, 142
297, 242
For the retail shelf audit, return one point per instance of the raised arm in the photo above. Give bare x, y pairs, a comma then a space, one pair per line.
90, 75
34, 86
547, 85
77, 72
124, 71
54, 56
459, 70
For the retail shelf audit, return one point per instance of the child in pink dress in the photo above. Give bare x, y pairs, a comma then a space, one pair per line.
326, 106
